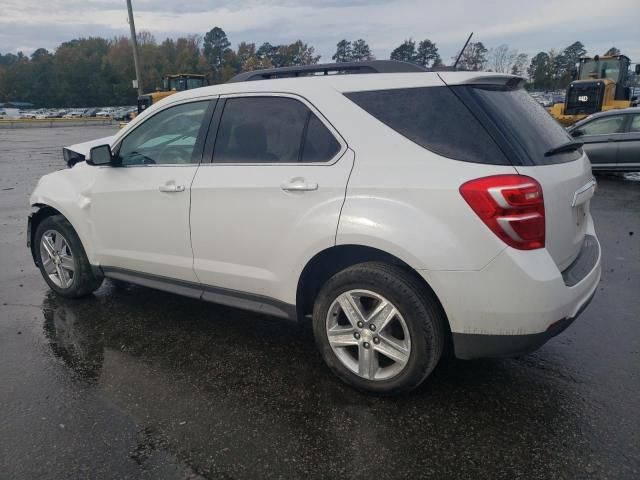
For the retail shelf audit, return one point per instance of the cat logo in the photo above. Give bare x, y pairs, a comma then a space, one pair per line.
583, 98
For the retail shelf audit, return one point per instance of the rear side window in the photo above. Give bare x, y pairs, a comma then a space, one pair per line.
271, 130
635, 124
603, 126
525, 127
434, 118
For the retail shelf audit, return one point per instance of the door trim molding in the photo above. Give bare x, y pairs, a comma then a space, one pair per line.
209, 293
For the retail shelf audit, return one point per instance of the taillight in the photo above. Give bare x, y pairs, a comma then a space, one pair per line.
512, 206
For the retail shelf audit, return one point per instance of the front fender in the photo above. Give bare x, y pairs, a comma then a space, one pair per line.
65, 191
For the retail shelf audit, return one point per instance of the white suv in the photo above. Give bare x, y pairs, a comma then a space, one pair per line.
406, 213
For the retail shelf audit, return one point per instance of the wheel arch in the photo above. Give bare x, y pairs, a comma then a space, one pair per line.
330, 261
39, 212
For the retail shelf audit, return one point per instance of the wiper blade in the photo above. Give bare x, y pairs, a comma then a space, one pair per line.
565, 147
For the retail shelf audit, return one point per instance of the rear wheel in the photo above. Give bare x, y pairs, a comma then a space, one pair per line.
62, 259
378, 328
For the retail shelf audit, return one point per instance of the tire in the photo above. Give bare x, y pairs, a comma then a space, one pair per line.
78, 278
415, 335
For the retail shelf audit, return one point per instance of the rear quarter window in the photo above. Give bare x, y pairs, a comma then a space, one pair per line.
434, 118
525, 130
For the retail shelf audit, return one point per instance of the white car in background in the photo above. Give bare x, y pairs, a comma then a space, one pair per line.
402, 211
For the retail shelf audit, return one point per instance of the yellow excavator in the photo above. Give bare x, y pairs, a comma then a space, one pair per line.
600, 83
170, 85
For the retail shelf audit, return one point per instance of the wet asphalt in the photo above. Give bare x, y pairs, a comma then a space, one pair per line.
135, 383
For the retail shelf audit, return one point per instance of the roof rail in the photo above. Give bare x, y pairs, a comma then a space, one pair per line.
371, 66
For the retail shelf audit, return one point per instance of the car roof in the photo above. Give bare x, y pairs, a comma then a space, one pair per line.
345, 83
312, 85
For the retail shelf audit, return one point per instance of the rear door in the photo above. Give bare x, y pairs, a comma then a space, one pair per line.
600, 137
629, 145
270, 196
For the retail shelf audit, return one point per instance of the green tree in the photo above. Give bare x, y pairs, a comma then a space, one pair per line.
344, 52
612, 52
427, 53
216, 44
473, 58
360, 51
539, 71
406, 52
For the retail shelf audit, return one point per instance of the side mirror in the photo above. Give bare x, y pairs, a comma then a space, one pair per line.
577, 133
100, 155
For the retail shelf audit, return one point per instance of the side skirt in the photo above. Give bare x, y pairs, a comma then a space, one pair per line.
219, 295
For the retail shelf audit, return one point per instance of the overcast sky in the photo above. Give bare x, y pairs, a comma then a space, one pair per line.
529, 26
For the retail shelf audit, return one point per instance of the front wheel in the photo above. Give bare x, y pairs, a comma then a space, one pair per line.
378, 328
62, 259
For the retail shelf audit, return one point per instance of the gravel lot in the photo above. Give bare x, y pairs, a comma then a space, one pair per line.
134, 383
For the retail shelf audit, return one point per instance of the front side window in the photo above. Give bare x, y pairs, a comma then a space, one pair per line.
169, 137
271, 130
603, 126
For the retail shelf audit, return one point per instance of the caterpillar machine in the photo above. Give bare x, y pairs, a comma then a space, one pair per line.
600, 83
170, 85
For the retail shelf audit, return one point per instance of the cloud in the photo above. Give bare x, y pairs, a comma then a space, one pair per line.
528, 26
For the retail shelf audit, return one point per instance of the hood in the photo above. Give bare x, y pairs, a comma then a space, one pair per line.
79, 152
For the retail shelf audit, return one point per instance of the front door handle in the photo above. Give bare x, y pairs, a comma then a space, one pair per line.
299, 185
171, 188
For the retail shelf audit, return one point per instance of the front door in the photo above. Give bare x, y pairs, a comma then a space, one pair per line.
271, 197
140, 210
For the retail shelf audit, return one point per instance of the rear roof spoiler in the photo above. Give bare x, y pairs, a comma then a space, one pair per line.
372, 66
477, 78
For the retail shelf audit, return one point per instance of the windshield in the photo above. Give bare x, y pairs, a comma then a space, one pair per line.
601, 69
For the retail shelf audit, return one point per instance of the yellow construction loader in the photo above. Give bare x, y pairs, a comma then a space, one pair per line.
170, 85
600, 83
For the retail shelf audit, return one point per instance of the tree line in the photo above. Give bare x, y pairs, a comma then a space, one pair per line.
98, 72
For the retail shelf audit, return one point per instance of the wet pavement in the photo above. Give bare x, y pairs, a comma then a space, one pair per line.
135, 383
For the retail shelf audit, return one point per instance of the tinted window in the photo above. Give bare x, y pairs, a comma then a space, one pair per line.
166, 138
434, 118
320, 145
527, 127
603, 126
635, 124
260, 130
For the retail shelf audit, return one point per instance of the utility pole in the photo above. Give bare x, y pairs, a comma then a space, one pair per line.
134, 42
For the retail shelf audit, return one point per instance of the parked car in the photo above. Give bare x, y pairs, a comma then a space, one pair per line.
401, 213
611, 139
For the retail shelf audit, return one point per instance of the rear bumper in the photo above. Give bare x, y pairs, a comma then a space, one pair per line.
517, 302
469, 346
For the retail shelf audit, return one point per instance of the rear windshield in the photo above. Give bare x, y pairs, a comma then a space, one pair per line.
527, 127
434, 118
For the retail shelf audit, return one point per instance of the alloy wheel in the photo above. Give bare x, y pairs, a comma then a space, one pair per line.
368, 334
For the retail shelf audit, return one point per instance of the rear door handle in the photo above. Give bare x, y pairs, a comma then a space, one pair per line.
171, 188
299, 185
